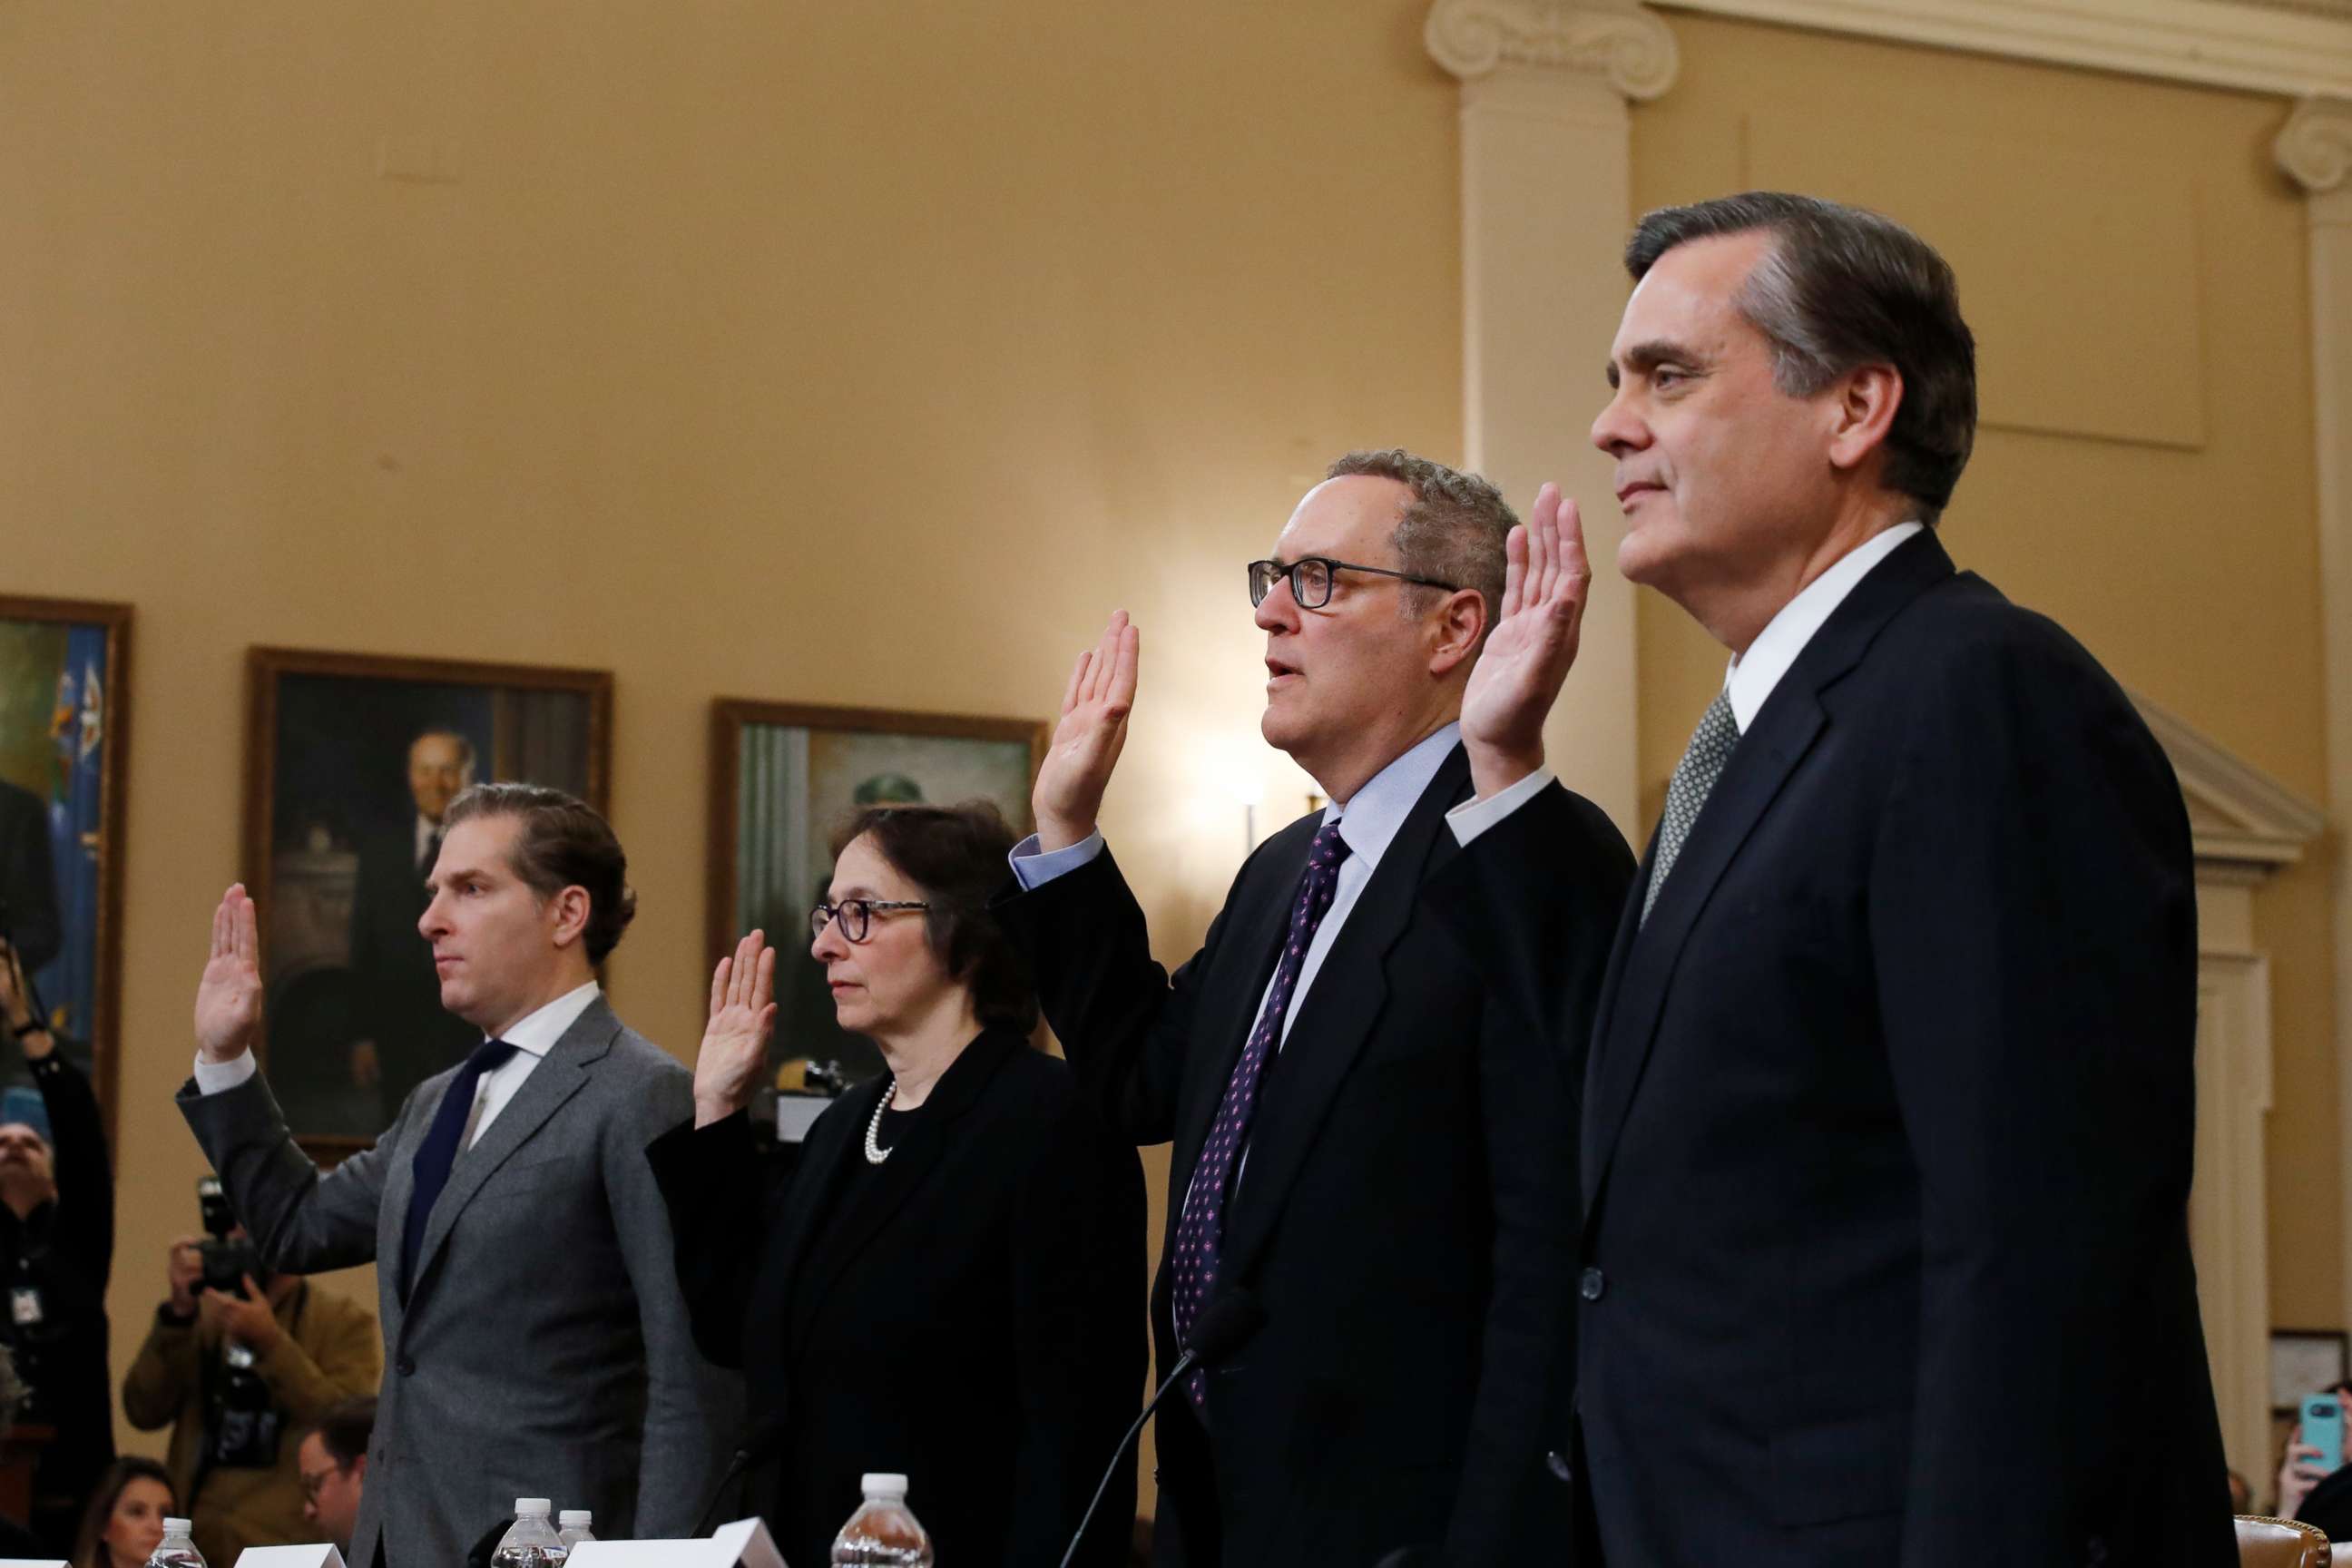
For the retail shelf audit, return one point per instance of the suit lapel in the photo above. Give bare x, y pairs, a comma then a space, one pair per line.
1641, 970
912, 1162
560, 1075
1337, 1016
1261, 919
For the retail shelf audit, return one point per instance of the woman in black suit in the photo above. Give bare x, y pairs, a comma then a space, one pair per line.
952, 1285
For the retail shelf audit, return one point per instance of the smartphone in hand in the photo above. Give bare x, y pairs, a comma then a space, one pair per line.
2323, 1428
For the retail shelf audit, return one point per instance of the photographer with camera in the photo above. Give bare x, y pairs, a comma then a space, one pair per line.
238, 1362
56, 1248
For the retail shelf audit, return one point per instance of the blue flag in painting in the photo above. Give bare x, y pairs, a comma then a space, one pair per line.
78, 726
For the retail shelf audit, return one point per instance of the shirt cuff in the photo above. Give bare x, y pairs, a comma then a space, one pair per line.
216, 1078
1472, 817
1034, 869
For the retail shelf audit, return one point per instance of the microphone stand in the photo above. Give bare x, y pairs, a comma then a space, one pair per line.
1184, 1365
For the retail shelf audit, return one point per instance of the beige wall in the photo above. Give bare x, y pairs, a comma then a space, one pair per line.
865, 354
2134, 266
870, 354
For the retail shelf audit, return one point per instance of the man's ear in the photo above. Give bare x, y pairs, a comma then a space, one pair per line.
1457, 627
1867, 398
572, 907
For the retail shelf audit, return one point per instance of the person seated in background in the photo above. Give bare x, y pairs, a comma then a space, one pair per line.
57, 1248
952, 1283
2309, 1491
333, 1462
124, 1522
235, 1376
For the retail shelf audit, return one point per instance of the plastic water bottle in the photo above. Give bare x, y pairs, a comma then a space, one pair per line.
882, 1531
177, 1549
574, 1522
531, 1541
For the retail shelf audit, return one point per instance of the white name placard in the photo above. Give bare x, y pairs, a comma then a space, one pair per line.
746, 1541
321, 1554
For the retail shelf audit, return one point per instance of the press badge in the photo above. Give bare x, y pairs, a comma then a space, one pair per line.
25, 1306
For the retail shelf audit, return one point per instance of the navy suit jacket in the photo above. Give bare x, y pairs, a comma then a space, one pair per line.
1884, 1257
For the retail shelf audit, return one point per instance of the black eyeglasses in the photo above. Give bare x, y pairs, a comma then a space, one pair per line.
856, 915
1310, 579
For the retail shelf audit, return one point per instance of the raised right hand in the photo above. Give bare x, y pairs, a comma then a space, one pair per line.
735, 1042
228, 999
1088, 738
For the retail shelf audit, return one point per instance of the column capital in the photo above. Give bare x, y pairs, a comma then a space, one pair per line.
1621, 41
2315, 147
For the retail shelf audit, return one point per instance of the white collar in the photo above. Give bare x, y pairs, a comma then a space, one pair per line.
539, 1031
1370, 817
1753, 675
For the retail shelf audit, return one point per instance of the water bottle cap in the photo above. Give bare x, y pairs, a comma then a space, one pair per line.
532, 1505
883, 1483
573, 1516
177, 1526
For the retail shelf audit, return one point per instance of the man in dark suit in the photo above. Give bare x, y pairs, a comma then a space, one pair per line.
1361, 1142
410, 1035
1884, 1252
536, 1344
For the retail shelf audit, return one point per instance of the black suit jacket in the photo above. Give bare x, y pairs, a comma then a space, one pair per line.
968, 1316
1399, 1217
1888, 1128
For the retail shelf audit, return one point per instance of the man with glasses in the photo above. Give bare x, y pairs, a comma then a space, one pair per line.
333, 1467
1364, 1143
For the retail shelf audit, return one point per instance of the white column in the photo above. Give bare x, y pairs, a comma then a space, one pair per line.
2229, 1216
1546, 204
2315, 148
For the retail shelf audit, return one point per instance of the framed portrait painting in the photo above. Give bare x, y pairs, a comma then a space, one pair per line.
350, 761
783, 779
65, 683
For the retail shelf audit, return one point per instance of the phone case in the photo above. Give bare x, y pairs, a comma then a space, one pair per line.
2323, 1428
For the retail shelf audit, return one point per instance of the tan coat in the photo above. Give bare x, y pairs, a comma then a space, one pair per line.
329, 1351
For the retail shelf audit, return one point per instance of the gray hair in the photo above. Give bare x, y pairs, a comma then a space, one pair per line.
1840, 288
1452, 530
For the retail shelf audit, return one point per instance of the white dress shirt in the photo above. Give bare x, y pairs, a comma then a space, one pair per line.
1749, 678
1368, 820
532, 1038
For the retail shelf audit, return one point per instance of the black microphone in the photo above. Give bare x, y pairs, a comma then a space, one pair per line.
759, 1443
1227, 1321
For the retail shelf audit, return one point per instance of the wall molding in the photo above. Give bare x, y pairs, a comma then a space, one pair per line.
2314, 145
1621, 40
2222, 43
2238, 814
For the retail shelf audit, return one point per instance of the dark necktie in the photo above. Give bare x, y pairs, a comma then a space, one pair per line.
439, 1151
432, 853
1200, 1233
1703, 764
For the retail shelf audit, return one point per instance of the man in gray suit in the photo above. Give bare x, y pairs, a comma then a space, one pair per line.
536, 1342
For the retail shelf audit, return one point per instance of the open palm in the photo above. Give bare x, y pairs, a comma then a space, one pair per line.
1528, 654
735, 1041
228, 998
1088, 738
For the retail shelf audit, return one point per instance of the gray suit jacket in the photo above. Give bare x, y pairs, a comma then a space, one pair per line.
545, 1347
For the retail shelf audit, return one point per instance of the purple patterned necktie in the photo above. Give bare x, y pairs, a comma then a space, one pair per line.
1201, 1234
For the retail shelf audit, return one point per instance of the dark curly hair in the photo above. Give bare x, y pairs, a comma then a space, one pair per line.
956, 855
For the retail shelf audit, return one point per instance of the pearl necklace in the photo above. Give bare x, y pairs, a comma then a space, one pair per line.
874, 1153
